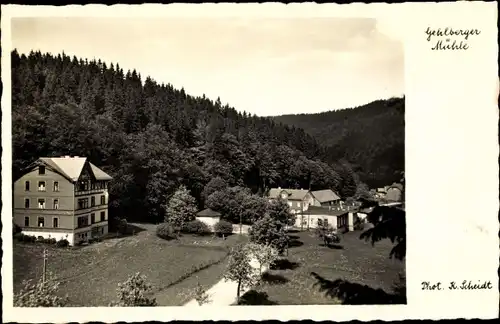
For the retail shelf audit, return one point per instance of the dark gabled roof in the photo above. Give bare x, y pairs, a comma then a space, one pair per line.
325, 195
396, 185
316, 210
208, 213
293, 194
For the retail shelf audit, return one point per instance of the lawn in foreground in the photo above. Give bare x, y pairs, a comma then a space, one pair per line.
353, 272
90, 275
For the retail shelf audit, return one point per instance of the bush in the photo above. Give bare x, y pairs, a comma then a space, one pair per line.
223, 227
123, 226
26, 238
15, 229
165, 231
134, 292
62, 243
196, 227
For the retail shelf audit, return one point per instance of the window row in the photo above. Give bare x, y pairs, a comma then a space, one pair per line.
41, 222
91, 185
84, 202
42, 186
83, 221
41, 203
322, 222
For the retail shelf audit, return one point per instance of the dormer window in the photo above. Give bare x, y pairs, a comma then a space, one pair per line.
41, 170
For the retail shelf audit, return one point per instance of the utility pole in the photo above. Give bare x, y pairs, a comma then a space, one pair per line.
241, 224
44, 278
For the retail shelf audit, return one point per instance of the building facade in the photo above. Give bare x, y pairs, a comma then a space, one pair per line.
326, 216
299, 200
62, 198
324, 198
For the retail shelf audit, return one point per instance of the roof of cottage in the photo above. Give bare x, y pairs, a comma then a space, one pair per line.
325, 195
72, 167
293, 194
208, 213
316, 210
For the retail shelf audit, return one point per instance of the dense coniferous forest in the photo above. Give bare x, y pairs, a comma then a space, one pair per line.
371, 137
152, 138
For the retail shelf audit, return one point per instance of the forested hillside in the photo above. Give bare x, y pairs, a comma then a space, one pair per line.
152, 137
370, 137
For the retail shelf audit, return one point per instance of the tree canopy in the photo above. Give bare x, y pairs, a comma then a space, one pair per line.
152, 138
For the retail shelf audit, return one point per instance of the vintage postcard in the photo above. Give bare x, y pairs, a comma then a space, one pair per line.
250, 162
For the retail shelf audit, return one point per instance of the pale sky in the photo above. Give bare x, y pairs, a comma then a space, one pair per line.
262, 66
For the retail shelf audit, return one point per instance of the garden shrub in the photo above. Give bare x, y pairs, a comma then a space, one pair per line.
62, 243
123, 226
15, 229
196, 227
165, 231
223, 227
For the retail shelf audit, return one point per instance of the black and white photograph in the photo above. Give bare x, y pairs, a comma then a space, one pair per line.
208, 161
171, 170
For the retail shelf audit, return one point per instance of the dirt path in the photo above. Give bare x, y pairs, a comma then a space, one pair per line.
223, 293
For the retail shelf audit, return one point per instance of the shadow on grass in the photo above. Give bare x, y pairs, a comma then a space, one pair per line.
295, 243
293, 231
274, 279
332, 246
356, 294
253, 297
284, 264
131, 230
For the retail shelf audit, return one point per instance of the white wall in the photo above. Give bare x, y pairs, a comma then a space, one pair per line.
210, 221
313, 220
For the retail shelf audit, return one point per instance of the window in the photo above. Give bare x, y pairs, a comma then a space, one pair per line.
27, 221
83, 221
41, 203
56, 186
103, 200
326, 222
83, 186
92, 201
92, 218
103, 216
26, 203
27, 186
298, 203
83, 203
41, 185
55, 222
320, 222
41, 169
56, 203
41, 221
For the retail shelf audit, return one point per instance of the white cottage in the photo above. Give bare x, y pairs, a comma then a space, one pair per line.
209, 217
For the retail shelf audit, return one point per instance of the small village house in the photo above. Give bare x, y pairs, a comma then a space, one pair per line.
326, 216
299, 200
62, 198
394, 192
209, 217
380, 193
325, 198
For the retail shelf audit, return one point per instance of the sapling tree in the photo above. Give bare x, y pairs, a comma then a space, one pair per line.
40, 294
133, 292
264, 254
200, 295
239, 269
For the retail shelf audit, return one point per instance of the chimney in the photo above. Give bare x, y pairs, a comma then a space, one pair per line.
67, 156
279, 187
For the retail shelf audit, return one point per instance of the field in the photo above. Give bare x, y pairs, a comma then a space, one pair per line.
353, 272
90, 275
